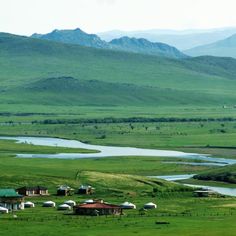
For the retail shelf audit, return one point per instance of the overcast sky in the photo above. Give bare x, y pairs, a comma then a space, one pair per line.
28, 16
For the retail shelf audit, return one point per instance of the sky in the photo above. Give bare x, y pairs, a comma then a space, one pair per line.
26, 17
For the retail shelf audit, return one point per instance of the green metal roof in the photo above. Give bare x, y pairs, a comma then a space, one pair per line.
9, 193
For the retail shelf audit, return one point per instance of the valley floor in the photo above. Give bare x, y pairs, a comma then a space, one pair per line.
120, 179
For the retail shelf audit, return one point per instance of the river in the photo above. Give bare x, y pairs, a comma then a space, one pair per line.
109, 151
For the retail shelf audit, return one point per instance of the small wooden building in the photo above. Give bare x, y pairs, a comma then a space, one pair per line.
33, 191
85, 189
204, 193
97, 208
11, 200
65, 190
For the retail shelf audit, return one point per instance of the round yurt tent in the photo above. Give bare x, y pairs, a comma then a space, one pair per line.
127, 205
49, 204
64, 207
29, 204
3, 210
150, 205
88, 201
70, 203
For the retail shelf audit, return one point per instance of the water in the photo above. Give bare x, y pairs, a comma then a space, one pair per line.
220, 190
196, 163
173, 177
108, 151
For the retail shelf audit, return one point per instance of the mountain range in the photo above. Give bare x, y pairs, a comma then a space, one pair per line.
38, 72
182, 39
135, 45
222, 48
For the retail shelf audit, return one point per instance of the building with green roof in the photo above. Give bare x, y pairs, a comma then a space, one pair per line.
11, 200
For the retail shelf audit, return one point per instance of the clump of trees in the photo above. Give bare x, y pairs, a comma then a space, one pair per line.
229, 177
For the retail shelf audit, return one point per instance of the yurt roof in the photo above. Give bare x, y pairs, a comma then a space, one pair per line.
29, 203
89, 201
64, 206
49, 202
127, 204
69, 201
150, 204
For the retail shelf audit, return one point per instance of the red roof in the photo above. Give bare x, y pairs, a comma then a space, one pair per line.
97, 205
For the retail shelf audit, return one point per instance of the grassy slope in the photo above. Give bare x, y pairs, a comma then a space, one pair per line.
225, 174
186, 214
160, 81
222, 48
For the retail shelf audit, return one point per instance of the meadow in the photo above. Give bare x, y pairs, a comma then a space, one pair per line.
120, 179
47, 86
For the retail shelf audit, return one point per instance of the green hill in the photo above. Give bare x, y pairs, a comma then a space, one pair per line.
224, 174
35, 71
222, 48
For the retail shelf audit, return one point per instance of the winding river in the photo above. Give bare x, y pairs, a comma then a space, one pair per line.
109, 151
221, 190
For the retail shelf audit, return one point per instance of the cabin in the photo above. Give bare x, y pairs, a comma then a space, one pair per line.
86, 189
204, 193
33, 191
65, 190
97, 209
11, 200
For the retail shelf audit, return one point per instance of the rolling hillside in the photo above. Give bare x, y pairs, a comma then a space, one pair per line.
222, 48
40, 72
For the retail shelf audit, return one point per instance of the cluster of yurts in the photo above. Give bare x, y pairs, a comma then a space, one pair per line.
68, 205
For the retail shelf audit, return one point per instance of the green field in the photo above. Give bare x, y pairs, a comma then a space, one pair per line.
51, 89
38, 73
120, 179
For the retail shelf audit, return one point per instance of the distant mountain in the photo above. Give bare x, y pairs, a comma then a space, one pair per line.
222, 48
40, 72
144, 46
182, 40
76, 36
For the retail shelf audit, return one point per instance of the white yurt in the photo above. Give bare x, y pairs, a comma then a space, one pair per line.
128, 205
64, 207
150, 205
29, 204
70, 203
49, 204
3, 210
89, 201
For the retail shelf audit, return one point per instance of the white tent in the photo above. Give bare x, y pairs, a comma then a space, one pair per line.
150, 205
3, 210
64, 207
88, 201
128, 205
49, 204
70, 203
29, 204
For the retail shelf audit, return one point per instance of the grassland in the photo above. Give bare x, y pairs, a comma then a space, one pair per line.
43, 80
120, 179
38, 71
